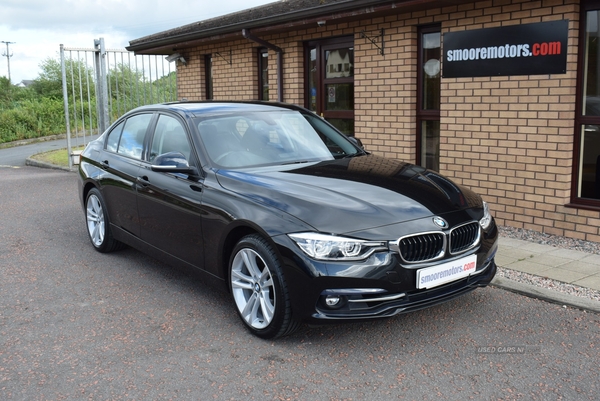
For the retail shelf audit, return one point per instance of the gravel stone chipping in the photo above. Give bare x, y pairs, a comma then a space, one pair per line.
555, 241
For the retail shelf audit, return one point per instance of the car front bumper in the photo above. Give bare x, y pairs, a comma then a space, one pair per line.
381, 286
366, 305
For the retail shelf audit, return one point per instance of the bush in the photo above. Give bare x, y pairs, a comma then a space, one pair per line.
32, 119
8, 126
39, 110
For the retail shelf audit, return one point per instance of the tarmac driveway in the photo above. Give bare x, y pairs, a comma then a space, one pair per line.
77, 324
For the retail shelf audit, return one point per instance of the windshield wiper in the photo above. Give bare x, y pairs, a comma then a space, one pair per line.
298, 162
350, 156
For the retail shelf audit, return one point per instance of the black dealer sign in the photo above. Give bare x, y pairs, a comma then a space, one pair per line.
512, 50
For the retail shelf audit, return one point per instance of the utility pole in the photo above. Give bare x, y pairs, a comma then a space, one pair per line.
8, 55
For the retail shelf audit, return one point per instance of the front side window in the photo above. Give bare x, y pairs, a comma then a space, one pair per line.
586, 174
169, 136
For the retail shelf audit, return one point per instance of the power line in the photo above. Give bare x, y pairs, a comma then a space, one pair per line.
8, 55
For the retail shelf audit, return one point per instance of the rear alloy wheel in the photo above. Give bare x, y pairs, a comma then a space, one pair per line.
97, 223
259, 289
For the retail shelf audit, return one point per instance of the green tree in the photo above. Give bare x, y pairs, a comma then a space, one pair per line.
10, 95
79, 76
166, 87
5, 92
4, 84
129, 88
124, 87
39, 110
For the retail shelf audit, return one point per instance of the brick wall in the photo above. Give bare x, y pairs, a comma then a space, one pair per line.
190, 77
511, 138
508, 138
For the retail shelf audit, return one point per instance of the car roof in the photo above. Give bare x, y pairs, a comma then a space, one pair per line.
203, 107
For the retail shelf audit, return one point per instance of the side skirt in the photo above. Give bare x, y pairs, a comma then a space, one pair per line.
142, 246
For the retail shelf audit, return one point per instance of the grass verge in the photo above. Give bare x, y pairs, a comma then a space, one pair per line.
58, 157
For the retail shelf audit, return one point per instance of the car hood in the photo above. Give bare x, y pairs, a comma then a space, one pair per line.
354, 194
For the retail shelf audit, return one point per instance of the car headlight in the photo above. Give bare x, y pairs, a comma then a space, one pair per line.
330, 247
487, 217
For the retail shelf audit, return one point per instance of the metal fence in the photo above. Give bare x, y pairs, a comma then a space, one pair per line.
99, 85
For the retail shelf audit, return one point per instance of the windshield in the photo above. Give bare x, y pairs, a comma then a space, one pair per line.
270, 138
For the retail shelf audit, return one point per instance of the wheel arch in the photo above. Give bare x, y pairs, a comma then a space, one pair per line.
87, 187
237, 232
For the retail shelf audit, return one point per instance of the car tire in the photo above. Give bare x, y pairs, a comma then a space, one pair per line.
97, 223
259, 289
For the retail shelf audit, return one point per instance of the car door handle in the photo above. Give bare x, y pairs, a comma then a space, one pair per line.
143, 180
104, 165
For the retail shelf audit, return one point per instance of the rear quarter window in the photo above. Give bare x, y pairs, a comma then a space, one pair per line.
112, 143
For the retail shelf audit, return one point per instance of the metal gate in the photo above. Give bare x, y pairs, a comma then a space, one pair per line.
99, 85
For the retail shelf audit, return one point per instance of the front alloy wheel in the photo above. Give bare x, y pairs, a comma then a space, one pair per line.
259, 290
253, 288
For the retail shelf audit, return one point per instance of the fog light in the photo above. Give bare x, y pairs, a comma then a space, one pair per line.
332, 300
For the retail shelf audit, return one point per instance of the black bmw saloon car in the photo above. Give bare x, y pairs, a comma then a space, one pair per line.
298, 221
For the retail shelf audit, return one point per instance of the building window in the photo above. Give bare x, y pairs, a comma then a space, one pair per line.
329, 74
208, 77
263, 74
428, 98
586, 163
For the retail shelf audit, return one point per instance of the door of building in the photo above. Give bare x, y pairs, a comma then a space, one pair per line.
428, 97
330, 81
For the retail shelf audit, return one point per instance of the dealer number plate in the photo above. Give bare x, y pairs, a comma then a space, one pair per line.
450, 271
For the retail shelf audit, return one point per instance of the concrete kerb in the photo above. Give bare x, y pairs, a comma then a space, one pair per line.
546, 294
37, 163
32, 140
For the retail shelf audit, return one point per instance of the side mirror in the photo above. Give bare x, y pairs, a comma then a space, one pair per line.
173, 162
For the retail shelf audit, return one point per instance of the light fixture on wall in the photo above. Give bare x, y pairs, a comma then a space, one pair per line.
321, 23
176, 57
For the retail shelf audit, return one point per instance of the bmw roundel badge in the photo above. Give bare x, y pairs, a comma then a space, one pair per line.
440, 222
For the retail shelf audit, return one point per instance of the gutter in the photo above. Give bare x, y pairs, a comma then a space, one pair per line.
163, 42
246, 34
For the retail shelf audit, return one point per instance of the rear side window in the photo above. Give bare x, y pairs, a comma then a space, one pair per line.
128, 138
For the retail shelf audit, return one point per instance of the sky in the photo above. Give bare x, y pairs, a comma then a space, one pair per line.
37, 28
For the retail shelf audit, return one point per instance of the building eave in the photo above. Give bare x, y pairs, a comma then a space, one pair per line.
195, 34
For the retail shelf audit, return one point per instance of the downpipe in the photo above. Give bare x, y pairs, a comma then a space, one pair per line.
246, 34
